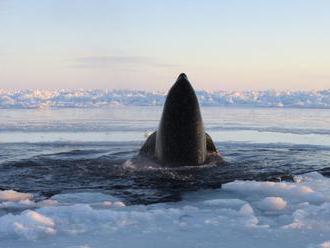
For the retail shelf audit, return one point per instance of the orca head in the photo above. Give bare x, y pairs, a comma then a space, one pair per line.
180, 137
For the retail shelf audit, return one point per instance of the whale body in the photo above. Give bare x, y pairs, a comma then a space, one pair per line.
180, 139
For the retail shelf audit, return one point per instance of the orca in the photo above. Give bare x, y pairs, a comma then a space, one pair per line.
181, 139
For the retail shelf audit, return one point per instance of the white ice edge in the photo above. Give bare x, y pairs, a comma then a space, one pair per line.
80, 98
241, 214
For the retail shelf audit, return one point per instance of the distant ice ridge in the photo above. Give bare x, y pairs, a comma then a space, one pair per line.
241, 214
65, 98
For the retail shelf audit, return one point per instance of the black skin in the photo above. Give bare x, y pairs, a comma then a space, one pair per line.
181, 138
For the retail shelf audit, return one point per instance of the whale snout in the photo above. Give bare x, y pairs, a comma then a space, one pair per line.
180, 138
182, 76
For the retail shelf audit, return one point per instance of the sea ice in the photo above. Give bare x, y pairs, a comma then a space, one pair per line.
11, 195
241, 214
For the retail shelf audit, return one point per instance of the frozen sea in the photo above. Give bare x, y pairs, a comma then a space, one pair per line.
71, 178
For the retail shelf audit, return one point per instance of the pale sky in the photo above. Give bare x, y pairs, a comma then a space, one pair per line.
145, 44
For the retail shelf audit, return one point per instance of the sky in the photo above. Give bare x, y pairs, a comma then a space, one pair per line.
145, 44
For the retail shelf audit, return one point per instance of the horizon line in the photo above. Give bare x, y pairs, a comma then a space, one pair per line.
3, 89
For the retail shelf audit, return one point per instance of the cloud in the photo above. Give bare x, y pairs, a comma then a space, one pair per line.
112, 61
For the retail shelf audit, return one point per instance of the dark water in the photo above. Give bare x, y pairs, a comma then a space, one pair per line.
46, 169
73, 150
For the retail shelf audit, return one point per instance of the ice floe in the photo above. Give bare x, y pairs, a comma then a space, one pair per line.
240, 214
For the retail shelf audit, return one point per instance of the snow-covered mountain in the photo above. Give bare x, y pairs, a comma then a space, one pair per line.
65, 98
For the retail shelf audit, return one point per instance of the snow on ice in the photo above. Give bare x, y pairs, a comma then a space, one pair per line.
101, 98
240, 214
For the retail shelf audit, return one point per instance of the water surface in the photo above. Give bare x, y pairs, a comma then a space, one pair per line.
48, 152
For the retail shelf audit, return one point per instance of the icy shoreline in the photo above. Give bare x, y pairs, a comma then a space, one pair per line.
241, 214
64, 98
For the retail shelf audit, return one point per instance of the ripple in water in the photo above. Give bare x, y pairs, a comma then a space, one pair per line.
114, 168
